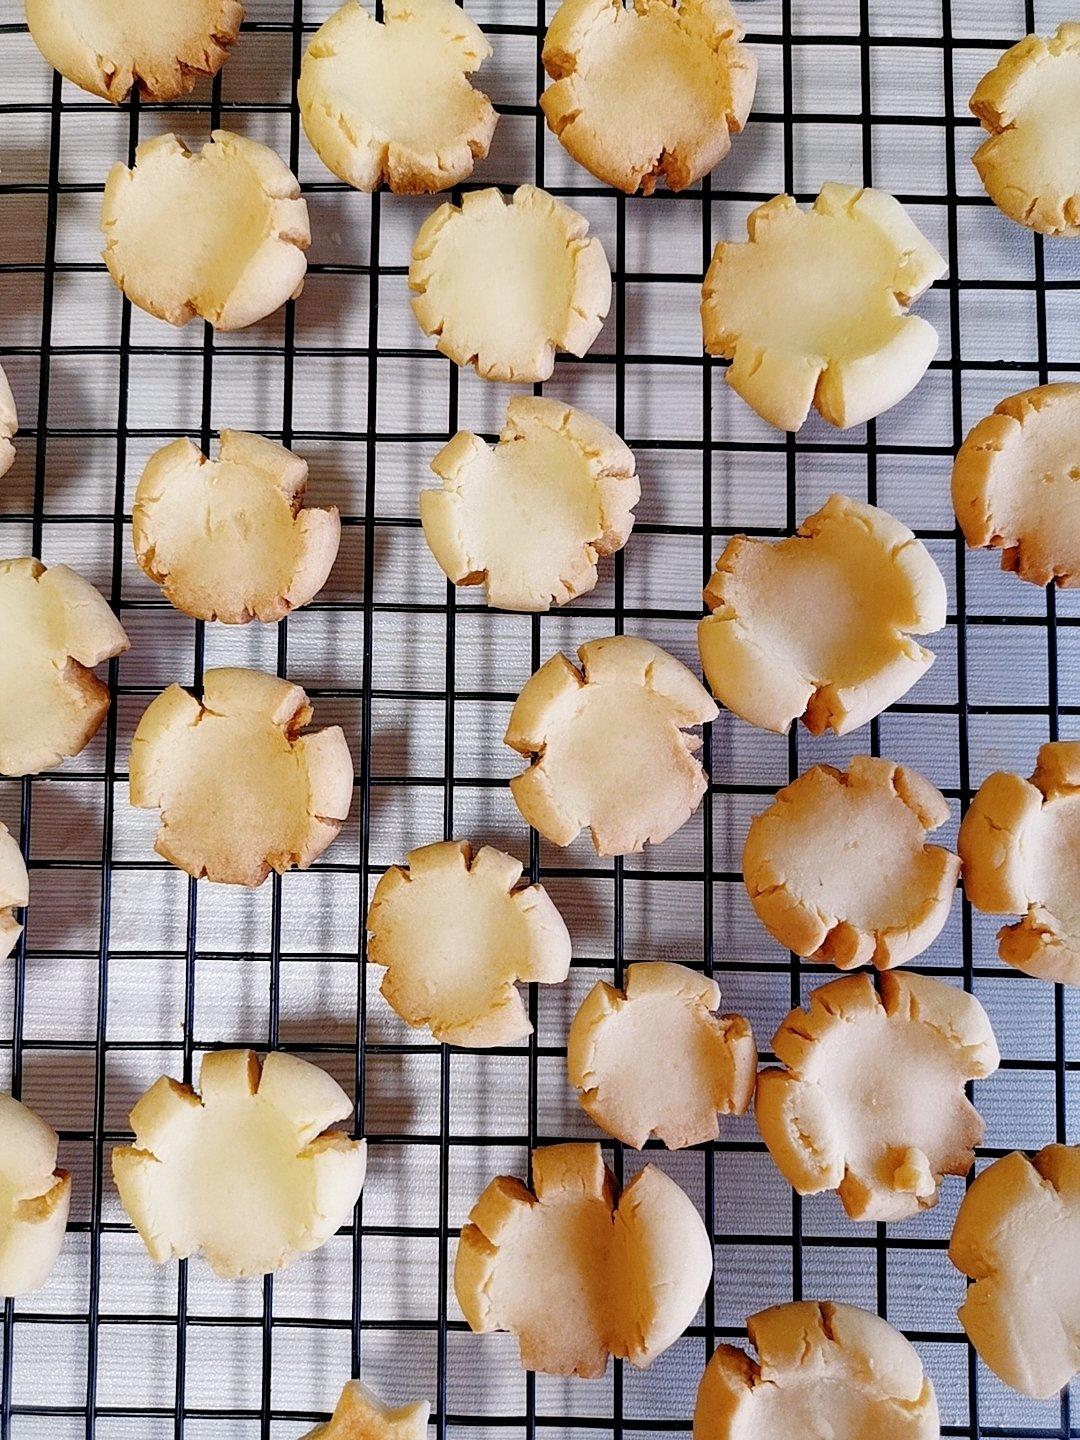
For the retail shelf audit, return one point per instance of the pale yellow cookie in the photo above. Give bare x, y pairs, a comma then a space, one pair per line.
9, 424
361, 1415
14, 890
34, 1199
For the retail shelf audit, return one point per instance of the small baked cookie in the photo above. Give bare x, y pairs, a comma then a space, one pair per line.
812, 309
391, 101
361, 1415
228, 539
247, 1172
655, 1059
1014, 484
455, 932
14, 890
608, 745
241, 791
577, 1273
838, 868
823, 1371
54, 628
530, 517
219, 233
1030, 104
34, 1199
647, 93
502, 287
1017, 1235
9, 424
871, 1100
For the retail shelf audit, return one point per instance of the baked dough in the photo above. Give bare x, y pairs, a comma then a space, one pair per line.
54, 628
647, 93
812, 309
608, 745
838, 868
1017, 1235
529, 517
361, 1415
871, 1100
1030, 104
247, 1173
455, 932
818, 626
1014, 484
655, 1059
14, 890
227, 539
219, 233
110, 46
502, 287
1020, 846
577, 1273
241, 791
34, 1199
824, 1372
391, 102
9, 424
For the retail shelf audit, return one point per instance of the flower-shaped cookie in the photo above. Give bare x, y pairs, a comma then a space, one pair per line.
1014, 484
608, 745
241, 791
14, 890
54, 628
871, 1100
391, 101
529, 517
1019, 846
227, 539
577, 1273
246, 1173
9, 424
818, 626
502, 287
455, 932
1030, 104
219, 233
361, 1415
812, 309
647, 92
838, 868
34, 1199
655, 1059
824, 1372
1017, 1235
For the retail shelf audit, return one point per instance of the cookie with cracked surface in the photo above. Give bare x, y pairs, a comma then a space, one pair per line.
14, 890
34, 1199
9, 424
361, 1415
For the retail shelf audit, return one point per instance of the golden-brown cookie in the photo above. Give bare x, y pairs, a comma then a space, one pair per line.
14, 890
9, 424
34, 1199
361, 1415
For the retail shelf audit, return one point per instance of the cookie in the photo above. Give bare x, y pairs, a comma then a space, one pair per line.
34, 1199
576, 1272
219, 233
502, 287
9, 424
14, 890
608, 745
812, 308
361, 1415
246, 1172
389, 102
228, 539
818, 626
240, 789
647, 93
529, 517
871, 1101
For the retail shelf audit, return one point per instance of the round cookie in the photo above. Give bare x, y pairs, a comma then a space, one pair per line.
34, 1199
361, 1415
14, 890
9, 424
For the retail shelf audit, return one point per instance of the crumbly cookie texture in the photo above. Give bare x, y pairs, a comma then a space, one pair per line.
1030, 104
219, 233
456, 932
1014, 484
247, 1172
529, 517
34, 1199
871, 1101
502, 287
9, 424
390, 102
577, 1273
361, 1415
824, 1371
228, 539
649, 92
812, 308
1017, 1236
1020, 847
819, 626
241, 791
838, 867
14, 890
608, 745
54, 628
654, 1058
